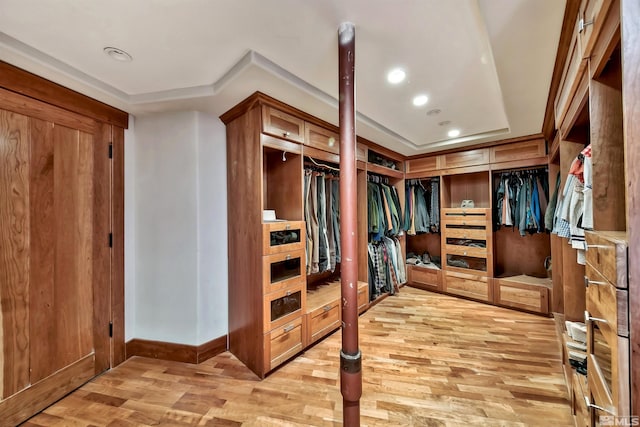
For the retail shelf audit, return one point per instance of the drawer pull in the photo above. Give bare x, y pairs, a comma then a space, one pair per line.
288, 257
582, 23
289, 328
287, 227
288, 293
588, 318
326, 308
464, 253
286, 133
594, 406
588, 282
598, 247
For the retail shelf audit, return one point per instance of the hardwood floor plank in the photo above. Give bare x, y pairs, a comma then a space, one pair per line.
428, 360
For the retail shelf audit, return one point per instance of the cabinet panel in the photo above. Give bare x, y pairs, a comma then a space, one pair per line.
361, 152
591, 19
324, 320
607, 302
282, 270
424, 164
575, 66
283, 306
282, 343
280, 237
464, 158
607, 253
424, 278
467, 285
321, 138
363, 296
518, 151
283, 125
521, 295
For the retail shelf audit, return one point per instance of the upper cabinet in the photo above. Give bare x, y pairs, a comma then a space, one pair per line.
282, 125
321, 138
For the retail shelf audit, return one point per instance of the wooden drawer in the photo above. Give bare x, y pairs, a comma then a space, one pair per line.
592, 14
606, 302
518, 294
423, 164
323, 321
466, 251
607, 253
321, 138
282, 270
363, 296
467, 285
466, 233
282, 343
579, 405
424, 278
283, 125
466, 158
278, 237
467, 216
283, 306
612, 394
518, 151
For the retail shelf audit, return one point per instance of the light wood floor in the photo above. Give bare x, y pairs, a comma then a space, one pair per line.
428, 360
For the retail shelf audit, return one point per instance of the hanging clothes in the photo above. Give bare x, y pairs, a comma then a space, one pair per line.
521, 199
574, 208
322, 217
386, 267
422, 202
384, 212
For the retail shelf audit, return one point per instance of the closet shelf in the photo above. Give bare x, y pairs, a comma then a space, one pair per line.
381, 170
323, 294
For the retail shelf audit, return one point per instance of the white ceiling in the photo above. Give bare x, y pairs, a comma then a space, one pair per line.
486, 64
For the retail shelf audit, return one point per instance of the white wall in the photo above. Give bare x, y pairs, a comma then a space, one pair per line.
212, 228
176, 261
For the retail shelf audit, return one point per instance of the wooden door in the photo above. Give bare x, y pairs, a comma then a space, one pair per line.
54, 256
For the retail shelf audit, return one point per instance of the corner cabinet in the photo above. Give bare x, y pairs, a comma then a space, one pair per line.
275, 308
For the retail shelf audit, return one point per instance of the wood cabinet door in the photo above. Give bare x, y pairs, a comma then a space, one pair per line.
52, 264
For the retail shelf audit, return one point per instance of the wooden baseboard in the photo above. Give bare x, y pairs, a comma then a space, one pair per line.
176, 352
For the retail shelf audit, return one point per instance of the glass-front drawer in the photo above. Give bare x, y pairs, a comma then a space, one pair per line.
282, 236
283, 306
467, 262
282, 270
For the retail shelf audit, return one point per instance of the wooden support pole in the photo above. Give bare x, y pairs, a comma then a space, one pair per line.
350, 357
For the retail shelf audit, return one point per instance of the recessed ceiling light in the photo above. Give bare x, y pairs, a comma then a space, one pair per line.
453, 133
420, 100
433, 112
396, 75
444, 123
118, 54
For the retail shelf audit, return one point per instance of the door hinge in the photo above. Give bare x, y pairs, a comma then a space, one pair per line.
110, 329
110, 240
111, 151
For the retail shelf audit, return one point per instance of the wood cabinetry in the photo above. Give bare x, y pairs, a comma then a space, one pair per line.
275, 308
60, 198
607, 320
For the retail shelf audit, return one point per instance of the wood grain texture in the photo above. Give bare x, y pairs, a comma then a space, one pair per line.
30, 85
566, 34
428, 360
630, 10
42, 311
176, 352
516, 254
557, 297
101, 269
244, 207
14, 252
73, 231
33, 399
609, 197
118, 350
